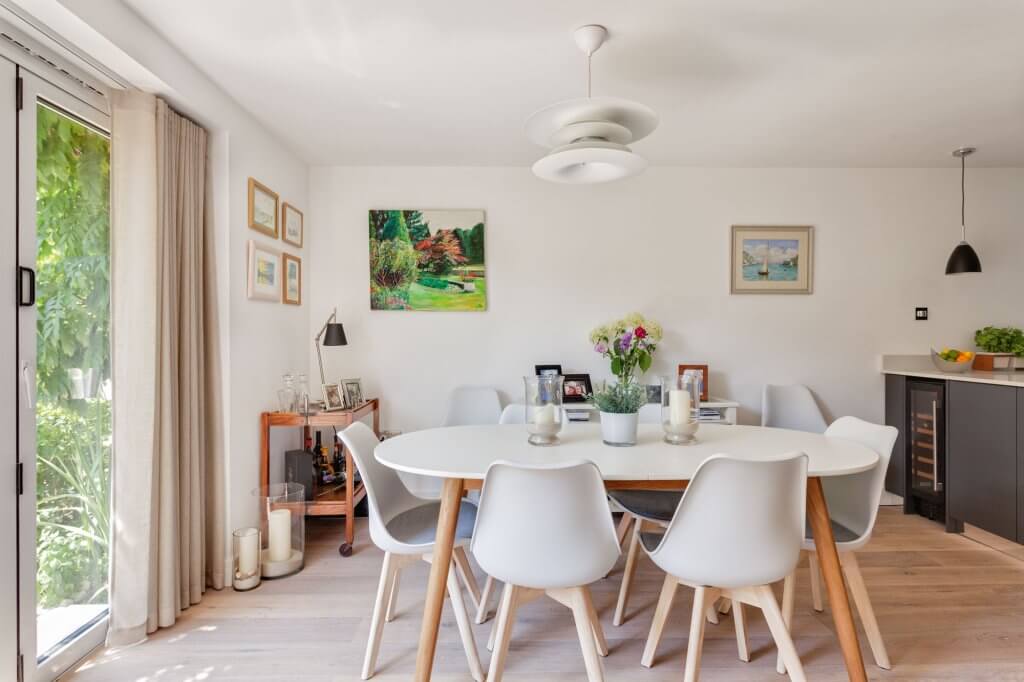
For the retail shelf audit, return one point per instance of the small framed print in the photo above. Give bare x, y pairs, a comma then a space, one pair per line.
292, 224
292, 280
353, 393
653, 393
547, 370
576, 388
333, 398
262, 208
699, 369
771, 259
264, 272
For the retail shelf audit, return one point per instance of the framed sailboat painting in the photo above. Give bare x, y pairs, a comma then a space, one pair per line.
770, 259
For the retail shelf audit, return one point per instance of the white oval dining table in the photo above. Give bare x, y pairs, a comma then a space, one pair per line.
461, 455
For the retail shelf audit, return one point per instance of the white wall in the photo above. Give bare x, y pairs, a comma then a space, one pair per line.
260, 340
562, 259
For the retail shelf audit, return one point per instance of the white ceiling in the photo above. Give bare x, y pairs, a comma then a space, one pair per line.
736, 82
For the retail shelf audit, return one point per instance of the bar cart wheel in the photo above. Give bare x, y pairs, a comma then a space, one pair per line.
345, 550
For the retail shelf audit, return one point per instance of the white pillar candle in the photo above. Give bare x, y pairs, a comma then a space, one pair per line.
546, 415
679, 407
280, 545
248, 554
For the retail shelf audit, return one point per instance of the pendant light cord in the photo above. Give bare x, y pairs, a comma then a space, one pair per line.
963, 199
589, 54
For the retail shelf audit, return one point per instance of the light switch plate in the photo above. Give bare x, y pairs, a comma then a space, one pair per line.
920, 313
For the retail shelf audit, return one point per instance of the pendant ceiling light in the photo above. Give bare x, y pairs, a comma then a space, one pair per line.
964, 258
588, 136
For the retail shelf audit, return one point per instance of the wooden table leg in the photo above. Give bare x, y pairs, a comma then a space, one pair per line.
447, 520
825, 542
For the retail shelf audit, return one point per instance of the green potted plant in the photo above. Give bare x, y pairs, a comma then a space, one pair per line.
629, 345
1000, 346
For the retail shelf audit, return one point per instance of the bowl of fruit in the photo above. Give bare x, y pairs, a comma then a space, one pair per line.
952, 360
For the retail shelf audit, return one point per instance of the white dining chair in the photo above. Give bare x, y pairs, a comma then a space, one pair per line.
546, 531
472, 405
513, 413
404, 526
791, 407
738, 529
853, 508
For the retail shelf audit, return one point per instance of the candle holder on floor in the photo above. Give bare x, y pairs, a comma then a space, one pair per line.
680, 407
245, 548
282, 528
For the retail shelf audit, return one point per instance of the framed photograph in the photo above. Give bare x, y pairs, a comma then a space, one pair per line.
262, 208
771, 259
699, 369
292, 287
264, 272
353, 392
576, 388
333, 398
547, 370
291, 222
653, 393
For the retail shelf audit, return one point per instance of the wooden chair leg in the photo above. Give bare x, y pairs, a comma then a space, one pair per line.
855, 581
772, 614
724, 605
483, 610
465, 627
661, 611
742, 647
788, 600
393, 597
695, 645
812, 562
387, 577
623, 527
595, 623
502, 632
711, 612
466, 573
627, 573
585, 631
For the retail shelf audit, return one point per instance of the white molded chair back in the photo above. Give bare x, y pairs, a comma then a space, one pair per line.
791, 407
853, 500
472, 405
740, 523
385, 492
514, 413
544, 527
650, 413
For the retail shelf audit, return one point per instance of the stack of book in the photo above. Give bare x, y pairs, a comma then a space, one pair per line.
710, 414
577, 415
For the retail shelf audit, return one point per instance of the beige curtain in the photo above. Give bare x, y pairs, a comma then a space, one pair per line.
168, 469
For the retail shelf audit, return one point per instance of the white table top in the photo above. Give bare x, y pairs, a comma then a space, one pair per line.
466, 451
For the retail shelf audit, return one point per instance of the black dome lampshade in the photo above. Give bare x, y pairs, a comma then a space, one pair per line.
335, 334
964, 258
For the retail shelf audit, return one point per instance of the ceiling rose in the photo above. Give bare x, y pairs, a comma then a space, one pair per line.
587, 137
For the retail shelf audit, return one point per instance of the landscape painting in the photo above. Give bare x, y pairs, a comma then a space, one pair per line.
427, 260
771, 260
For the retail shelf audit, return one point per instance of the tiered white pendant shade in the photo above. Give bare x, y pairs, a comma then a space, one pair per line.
588, 136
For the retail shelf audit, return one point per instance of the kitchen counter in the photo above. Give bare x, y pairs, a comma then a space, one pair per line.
921, 366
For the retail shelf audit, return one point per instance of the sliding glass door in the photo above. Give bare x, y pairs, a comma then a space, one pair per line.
64, 357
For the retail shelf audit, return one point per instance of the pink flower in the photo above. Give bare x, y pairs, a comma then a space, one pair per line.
601, 347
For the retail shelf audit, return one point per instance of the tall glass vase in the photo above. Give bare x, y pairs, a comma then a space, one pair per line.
544, 413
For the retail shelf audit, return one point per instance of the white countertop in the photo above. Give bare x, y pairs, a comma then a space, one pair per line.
921, 366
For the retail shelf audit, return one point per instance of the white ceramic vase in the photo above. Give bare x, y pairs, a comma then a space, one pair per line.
619, 429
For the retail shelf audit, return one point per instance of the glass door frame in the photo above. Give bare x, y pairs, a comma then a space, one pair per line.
33, 89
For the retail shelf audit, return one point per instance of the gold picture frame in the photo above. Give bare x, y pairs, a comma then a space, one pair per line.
292, 225
771, 259
291, 279
262, 217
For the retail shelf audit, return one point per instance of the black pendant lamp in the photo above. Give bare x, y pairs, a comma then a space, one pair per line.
964, 258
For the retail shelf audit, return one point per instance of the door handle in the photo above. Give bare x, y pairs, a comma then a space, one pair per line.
26, 294
27, 380
935, 445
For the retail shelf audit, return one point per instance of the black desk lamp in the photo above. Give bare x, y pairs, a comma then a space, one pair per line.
333, 334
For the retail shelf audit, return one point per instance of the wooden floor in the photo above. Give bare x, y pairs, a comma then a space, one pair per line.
950, 608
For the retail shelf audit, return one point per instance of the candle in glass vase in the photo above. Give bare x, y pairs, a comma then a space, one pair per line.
280, 544
545, 415
248, 553
679, 407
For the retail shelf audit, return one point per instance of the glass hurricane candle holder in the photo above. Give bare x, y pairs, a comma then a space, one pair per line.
245, 547
680, 407
282, 528
544, 413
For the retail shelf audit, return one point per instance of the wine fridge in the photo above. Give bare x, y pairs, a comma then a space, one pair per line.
926, 436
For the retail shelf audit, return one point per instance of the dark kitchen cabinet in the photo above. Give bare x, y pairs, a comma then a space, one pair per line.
1020, 465
896, 415
982, 454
